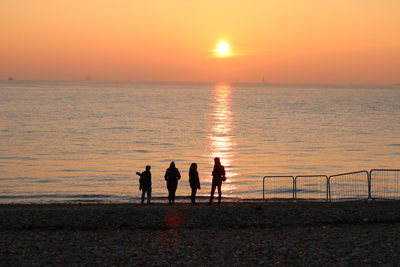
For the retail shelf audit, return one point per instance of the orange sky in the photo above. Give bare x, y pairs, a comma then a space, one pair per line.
287, 41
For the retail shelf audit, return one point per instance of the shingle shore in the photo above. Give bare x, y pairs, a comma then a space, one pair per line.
302, 234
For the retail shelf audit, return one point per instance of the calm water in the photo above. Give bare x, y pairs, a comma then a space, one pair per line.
84, 141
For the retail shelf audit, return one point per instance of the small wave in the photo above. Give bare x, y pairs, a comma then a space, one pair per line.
70, 170
161, 144
141, 151
46, 181
18, 178
169, 160
279, 191
102, 179
59, 196
96, 198
294, 167
108, 152
393, 144
18, 158
81, 170
299, 191
119, 128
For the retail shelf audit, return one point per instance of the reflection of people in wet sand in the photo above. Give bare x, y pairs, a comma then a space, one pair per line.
172, 176
145, 183
194, 181
218, 175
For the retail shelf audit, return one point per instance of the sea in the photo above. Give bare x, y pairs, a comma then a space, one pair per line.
84, 141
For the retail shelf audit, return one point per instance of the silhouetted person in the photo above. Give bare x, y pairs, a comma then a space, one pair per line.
172, 176
194, 181
145, 183
218, 175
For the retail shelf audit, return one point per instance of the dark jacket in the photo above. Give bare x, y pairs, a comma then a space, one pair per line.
145, 179
218, 174
194, 179
172, 176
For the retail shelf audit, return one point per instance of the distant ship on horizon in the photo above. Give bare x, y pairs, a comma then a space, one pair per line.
10, 79
262, 81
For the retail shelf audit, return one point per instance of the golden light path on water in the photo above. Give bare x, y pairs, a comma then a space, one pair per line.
222, 144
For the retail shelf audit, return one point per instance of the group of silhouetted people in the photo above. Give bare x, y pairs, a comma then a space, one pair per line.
172, 175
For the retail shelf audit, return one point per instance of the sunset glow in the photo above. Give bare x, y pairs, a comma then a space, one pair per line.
287, 42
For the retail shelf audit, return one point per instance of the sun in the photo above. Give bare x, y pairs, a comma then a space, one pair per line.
223, 49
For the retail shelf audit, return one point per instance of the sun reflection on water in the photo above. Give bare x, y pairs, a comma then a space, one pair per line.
222, 144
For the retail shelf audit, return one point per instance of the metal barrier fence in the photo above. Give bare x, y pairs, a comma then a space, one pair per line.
348, 186
279, 187
384, 184
311, 187
375, 184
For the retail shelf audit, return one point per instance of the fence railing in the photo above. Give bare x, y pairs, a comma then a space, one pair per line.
311, 187
384, 184
375, 184
279, 187
347, 186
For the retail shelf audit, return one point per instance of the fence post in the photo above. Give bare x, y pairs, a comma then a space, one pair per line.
263, 187
369, 185
329, 189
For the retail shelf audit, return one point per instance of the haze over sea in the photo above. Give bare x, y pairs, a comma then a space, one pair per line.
84, 141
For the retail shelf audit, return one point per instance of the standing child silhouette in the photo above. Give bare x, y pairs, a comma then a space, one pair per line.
145, 183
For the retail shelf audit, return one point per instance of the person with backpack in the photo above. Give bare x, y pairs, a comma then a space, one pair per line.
172, 175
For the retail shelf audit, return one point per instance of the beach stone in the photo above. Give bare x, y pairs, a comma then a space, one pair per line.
233, 234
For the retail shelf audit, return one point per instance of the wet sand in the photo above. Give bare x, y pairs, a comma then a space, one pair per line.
263, 233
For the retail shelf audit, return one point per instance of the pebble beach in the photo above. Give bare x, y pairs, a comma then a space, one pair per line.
362, 233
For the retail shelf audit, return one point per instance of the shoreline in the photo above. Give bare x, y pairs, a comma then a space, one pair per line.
115, 200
